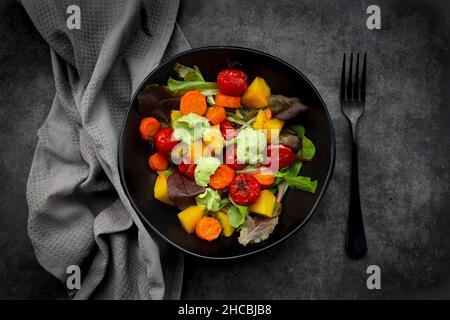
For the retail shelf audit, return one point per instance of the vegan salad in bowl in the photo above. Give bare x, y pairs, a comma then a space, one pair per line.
225, 151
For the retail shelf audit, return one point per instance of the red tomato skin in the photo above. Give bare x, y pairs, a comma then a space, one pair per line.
164, 141
231, 159
284, 158
245, 189
187, 169
232, 82
227, 129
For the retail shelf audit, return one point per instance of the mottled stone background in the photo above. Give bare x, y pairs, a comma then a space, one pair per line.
404, 151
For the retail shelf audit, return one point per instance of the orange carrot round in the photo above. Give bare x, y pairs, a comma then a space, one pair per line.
158, 161
148, 127
208, 228
216, 115
227, 101
193, 101
222, 177
265, 177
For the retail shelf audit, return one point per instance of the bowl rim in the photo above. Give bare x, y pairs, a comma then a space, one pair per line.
125, 121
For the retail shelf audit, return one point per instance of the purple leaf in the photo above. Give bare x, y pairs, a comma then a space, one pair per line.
158, 101
182, 191
285, 108
256, 230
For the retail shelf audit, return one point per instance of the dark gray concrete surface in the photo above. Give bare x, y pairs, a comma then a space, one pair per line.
404, 151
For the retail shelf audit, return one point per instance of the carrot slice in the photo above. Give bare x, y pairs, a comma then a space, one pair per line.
216, 115
148, 127
193, 101
265, 177
222, 177
208, 228
158, 161
227, 101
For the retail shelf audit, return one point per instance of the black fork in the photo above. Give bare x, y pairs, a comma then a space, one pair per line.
353, 96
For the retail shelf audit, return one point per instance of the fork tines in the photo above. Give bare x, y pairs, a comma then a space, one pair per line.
353, 90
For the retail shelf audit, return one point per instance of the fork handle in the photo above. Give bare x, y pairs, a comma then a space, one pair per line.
355, 243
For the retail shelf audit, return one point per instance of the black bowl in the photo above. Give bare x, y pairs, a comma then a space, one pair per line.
138, 179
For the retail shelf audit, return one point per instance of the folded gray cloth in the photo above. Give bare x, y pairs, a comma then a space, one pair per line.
78, 211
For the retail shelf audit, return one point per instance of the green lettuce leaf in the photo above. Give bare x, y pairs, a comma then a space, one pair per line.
187, 73
294, 169
300, 130
308, 149
205, 168
179, 87
236, 215
302, 183
224, 202
190, 127
210, 199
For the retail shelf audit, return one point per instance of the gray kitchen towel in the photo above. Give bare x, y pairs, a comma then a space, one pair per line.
78, 212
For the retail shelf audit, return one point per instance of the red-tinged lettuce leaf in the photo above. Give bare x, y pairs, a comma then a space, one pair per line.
256, 230
285, 108
290, 140
157, 101
182, 191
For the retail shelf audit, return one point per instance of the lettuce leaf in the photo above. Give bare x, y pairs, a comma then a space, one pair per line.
294, 169
192, 79
298, 129
182, 191
205, 168
224, 202
187, 73
285, 108
157, 101
210, 199
308, 149
290, 140
256, 230
179, 87
190, 127
236, 215
302, 183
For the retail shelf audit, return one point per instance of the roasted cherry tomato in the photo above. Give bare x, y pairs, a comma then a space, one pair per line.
232, 82
227, 129
245, 189
278, 154
164, 141
187, 169
231, 158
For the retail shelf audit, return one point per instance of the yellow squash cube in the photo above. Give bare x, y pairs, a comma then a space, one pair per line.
227, 229
265, 204
174, 116
256, 94
160, 189
273, 127
190, 216
261, 118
